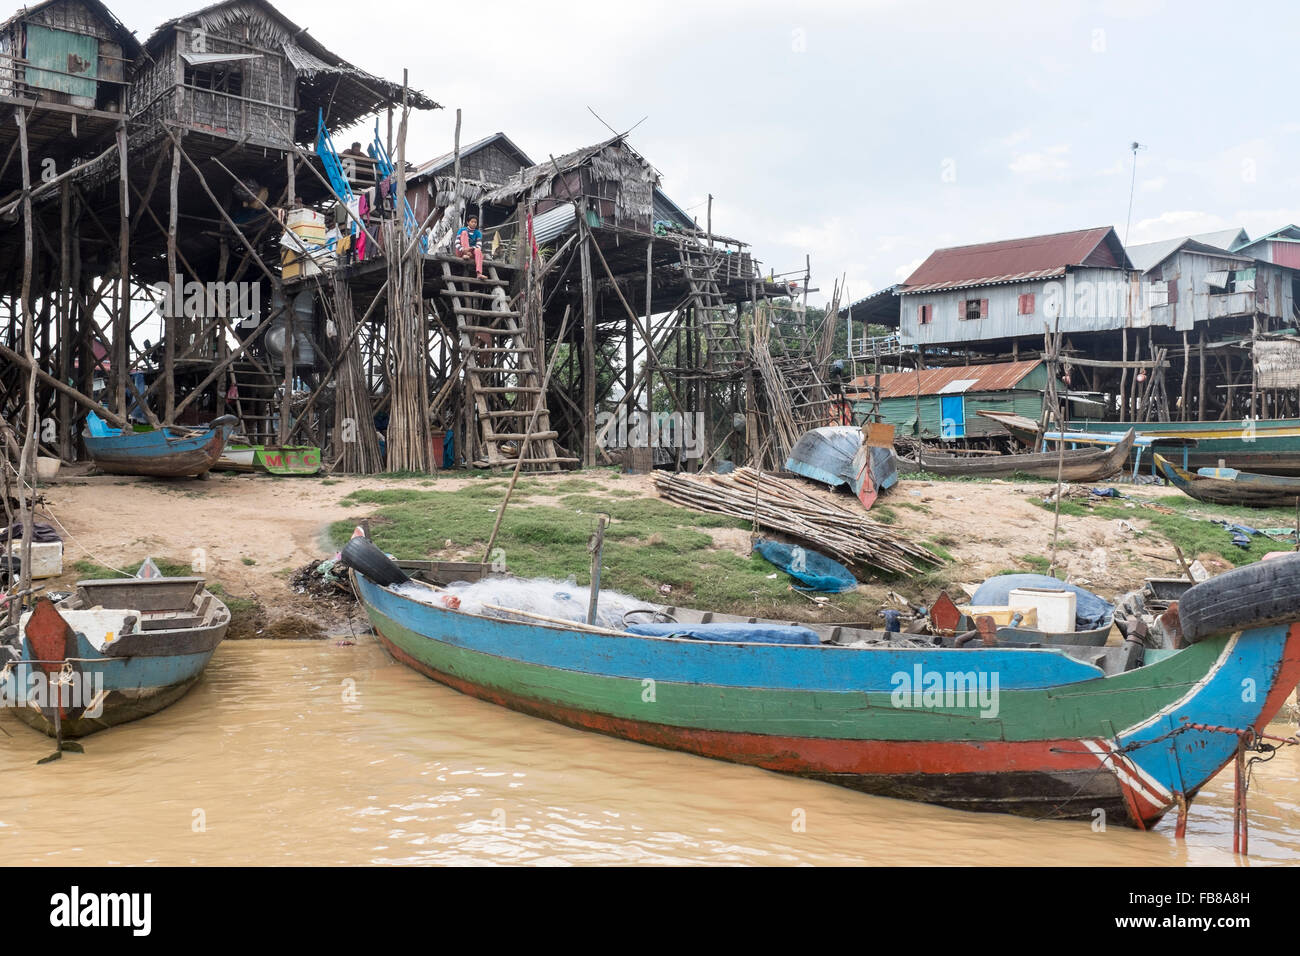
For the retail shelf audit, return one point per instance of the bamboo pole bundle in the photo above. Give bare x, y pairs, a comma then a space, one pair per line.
408, 414
356, 447
781, 505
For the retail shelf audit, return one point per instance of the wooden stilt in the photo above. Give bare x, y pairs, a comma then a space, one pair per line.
170, 314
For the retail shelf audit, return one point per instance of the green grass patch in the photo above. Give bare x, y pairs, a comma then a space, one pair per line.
248, 561
1036, 563
1189, 527
934, 545
648, 543
884, 514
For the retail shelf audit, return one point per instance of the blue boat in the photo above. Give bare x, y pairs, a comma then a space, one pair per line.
1057, 731
116, 650
167, 452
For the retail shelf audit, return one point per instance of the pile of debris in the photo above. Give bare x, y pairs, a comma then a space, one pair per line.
781, 505
325, 580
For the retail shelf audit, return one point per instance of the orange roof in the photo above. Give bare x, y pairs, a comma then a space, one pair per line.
998, 377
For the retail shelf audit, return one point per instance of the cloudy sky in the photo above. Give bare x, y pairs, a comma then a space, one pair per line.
867, 132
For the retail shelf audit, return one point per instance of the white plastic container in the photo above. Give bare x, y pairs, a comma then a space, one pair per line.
1055, 608
47, 557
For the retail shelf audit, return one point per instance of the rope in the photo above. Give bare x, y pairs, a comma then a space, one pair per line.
1249, 739
49, 511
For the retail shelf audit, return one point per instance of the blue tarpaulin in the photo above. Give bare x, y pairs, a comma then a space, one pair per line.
816, 571
742, 633
1090, 611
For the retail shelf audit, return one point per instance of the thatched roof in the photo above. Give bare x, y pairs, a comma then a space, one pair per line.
612, 159
326, 81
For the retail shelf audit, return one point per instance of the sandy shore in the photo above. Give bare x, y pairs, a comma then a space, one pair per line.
250, 532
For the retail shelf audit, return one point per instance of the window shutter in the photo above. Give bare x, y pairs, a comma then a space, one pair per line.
1172, 286
984, 308
1029, 302
920, 315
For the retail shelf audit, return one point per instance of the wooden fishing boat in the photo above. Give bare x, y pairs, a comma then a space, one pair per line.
287, 459
128, 646
168, 452
236, 456
283, 460
1231, 487
1080, 464
1061, 731
1266, 447
838, 455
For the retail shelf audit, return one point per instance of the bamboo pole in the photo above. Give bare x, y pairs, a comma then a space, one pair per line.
169, 318
27, 457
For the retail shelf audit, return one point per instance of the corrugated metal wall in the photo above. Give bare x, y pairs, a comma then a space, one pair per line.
1092, 300
901, 412
1195, 300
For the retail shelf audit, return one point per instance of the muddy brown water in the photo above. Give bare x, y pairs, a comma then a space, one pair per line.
315, 753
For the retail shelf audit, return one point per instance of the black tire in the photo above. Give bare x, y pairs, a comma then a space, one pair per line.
1260, 594
361, 555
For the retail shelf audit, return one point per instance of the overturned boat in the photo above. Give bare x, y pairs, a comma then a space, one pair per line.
1045, 731
116, 650
838, 455
1077, 464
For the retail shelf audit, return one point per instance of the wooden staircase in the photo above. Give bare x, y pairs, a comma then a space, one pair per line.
502, 380
722, 334
255, 403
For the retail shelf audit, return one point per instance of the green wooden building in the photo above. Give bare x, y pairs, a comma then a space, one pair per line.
950, 398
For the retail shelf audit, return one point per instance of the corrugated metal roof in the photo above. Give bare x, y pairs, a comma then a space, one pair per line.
871, 298
1150, 254
553, 222
1017, 260
998, 377
665, 210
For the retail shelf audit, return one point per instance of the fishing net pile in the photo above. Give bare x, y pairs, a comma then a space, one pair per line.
563, 600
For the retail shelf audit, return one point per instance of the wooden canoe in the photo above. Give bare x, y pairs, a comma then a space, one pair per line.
1081, 464
1266, 447
157, 452
852, 709
125, 665
1233, 487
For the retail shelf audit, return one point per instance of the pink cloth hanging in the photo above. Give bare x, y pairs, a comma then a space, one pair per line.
363, 209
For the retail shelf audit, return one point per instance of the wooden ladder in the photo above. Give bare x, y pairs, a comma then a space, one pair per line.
255, 403
720, 328
503, 381
808, 395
